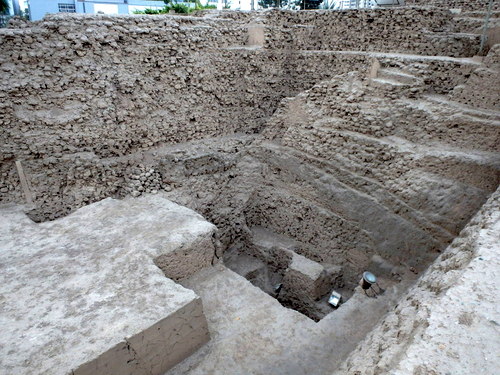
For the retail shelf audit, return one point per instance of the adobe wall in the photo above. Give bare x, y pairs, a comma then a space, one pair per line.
363, 173
406, 30
465, 5
481, 88
79, 94
428, 161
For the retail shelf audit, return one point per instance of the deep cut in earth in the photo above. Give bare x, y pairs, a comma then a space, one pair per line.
183, 194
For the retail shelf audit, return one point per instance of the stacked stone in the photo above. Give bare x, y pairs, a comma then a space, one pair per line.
464, 5
5, 187
147, 180
114, 85
408, 30
481, 89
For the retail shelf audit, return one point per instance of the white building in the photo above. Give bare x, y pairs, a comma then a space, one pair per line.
354, 4
39, 8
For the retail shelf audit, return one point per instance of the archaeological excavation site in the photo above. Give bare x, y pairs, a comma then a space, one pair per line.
264, 192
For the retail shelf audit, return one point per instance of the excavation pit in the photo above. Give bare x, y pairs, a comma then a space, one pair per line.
320, 144
272, 262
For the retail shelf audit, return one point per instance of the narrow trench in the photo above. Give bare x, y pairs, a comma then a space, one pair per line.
273, 263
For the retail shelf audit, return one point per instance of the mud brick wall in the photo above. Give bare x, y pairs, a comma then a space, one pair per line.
465, 5
81, 94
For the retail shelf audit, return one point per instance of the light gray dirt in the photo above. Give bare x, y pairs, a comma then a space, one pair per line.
449, 322
82, 294
253, 334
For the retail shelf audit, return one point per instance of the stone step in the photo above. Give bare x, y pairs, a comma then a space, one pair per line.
478, 14
486, 116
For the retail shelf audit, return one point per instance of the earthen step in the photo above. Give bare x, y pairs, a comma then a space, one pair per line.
397, 75
478, 14
387, 83
478, 114
365, 186
474, 24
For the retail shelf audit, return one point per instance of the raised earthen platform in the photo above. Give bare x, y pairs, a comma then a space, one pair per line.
82, 295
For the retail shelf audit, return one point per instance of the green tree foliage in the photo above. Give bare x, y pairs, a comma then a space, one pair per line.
4, 6
270, 3
177, 7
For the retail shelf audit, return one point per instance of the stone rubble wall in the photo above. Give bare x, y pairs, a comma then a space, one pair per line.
474, 23
347, 118
409, 30
481, 89
465, 5
81, 94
